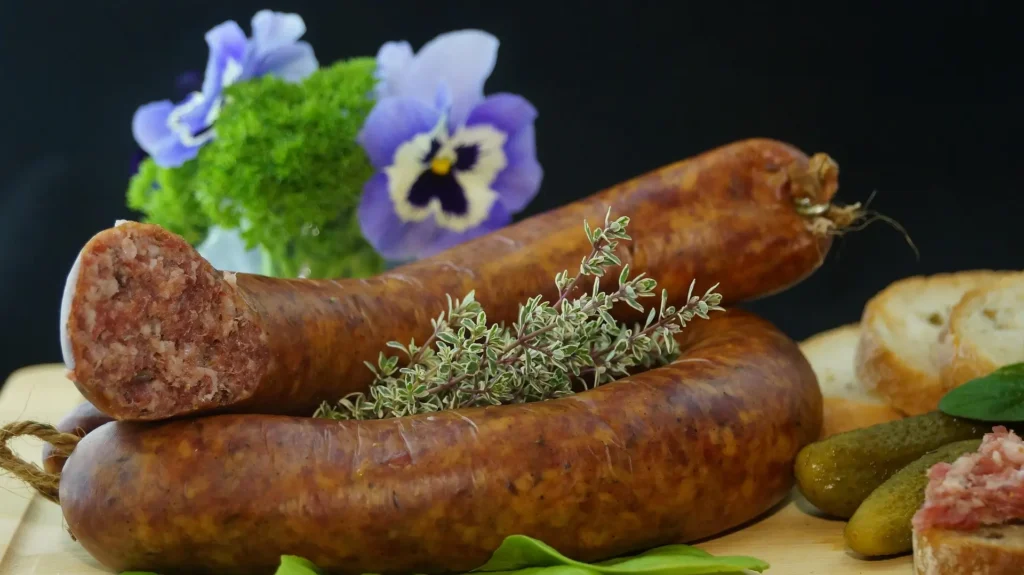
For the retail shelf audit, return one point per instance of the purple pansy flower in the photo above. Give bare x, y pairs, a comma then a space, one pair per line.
450, 163
184, 84
173, 133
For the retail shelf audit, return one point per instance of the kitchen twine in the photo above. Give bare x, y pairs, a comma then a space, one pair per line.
47, 484
825, 218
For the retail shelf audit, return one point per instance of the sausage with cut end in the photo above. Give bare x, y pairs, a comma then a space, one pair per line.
81, 420
670, 455
150, 330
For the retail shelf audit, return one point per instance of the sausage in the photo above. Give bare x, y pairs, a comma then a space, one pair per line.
670, 455
151, 331
81, 420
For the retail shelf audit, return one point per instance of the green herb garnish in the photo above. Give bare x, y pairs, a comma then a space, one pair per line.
519, 554
285, 170
996, 397
166, 197
523, 555
552, 349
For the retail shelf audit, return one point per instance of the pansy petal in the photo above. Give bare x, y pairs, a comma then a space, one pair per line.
463, 60
149, 126
290, 63
507, 112
498, 218
392, 122
151, 132
394, 239
226, 251
195, 111
226, 42
520, 181
273, 30
392, 59
374, 205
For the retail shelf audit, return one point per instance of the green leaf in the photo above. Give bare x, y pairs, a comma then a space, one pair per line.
521, 555
998, 396
448, 337
292, 565
668, 549
647, 285
631, 302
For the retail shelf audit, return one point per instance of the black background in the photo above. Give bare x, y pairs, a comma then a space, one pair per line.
916, 101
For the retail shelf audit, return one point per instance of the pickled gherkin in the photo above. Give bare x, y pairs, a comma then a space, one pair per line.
838, 473
882, 523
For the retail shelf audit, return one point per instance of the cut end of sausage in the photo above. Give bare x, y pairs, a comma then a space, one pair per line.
151, 330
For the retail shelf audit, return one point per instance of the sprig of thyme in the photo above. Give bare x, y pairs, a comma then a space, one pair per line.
550, 351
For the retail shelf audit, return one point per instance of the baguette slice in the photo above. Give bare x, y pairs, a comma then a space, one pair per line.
986, 551
899, 349
986, 332
847, 405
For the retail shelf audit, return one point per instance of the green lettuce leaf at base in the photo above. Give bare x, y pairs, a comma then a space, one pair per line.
521, 555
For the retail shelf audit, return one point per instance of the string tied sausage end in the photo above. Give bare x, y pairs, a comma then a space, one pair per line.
814, 188
47, 484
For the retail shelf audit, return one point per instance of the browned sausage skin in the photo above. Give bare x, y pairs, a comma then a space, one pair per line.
81, 420
151, 330
666, 456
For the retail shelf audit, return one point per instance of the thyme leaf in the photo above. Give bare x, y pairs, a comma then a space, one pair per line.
550, 351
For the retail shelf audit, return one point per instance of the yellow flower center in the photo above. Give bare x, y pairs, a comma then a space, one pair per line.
441, 166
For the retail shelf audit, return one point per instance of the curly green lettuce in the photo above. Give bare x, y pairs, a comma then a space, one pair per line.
285, 169
166, 197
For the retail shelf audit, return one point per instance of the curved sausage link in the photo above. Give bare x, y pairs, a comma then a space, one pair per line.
152, 331
674, 454
81, 420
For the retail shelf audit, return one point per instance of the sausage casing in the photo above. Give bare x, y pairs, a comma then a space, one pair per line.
153, 331
669, 455
81, 420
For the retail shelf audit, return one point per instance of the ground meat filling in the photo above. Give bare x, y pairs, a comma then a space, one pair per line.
978, 489
156, 331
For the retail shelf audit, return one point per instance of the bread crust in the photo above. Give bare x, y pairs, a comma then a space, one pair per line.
961, 360
841, 415
987, 551
912, 389
843, 411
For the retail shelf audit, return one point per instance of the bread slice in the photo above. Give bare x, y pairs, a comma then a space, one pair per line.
986, 551
986, 332
847, 405
899, 352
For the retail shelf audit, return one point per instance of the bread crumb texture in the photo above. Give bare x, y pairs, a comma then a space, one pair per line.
904, 338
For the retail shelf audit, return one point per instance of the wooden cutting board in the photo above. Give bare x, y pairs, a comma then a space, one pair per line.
33, 540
